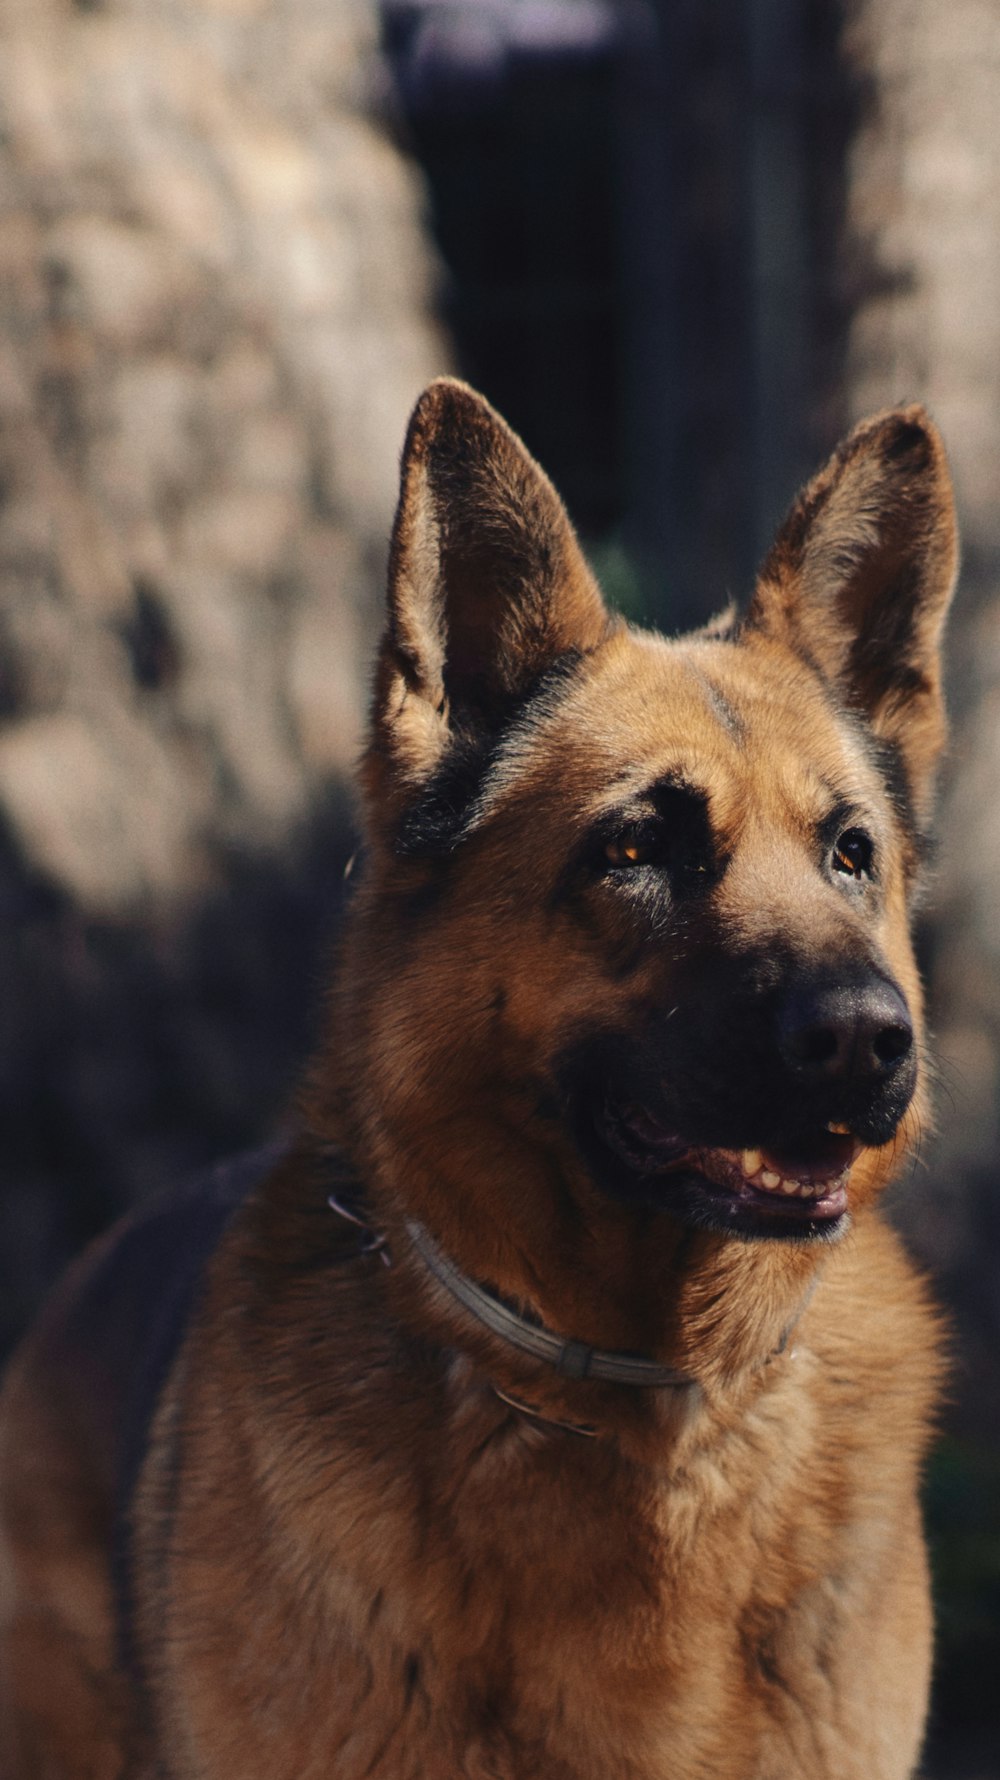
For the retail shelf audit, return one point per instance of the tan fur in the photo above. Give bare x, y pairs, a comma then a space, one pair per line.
353, 1558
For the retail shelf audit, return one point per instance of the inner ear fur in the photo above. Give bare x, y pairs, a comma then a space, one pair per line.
488, 586
859, 579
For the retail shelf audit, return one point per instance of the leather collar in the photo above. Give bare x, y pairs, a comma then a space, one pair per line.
568, 1358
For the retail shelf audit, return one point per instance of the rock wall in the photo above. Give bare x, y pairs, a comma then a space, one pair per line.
215, 312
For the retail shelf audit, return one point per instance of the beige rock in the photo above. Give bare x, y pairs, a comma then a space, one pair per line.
215, 313
214, 316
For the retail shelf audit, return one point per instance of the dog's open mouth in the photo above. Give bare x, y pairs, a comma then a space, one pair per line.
800, 1186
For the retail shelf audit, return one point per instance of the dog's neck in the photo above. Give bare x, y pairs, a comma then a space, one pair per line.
568, 1358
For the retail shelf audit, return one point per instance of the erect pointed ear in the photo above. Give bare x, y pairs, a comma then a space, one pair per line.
488, 587
859, 579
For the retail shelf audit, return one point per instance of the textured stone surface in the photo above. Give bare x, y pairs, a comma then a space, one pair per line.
213, 309
215, 306
924, 214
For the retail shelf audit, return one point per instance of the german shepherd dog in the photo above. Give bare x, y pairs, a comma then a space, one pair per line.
551, 1406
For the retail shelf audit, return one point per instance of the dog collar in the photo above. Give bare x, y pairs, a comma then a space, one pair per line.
568, 1358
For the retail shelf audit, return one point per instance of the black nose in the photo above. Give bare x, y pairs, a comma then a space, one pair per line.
858, 1032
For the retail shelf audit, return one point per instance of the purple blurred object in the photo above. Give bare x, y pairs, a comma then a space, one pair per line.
447, 50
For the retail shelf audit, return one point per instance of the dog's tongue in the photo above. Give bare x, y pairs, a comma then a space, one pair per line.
820, 1158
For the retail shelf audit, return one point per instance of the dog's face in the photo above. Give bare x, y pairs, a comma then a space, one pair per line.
637, 911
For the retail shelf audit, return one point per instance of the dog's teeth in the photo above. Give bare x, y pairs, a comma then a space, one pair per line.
752, 1160
791, 1186
770, 1180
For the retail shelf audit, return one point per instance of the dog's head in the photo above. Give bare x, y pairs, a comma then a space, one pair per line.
634, 926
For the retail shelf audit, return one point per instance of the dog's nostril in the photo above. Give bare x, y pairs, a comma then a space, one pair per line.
815, 1038
892, 1043
845, 1030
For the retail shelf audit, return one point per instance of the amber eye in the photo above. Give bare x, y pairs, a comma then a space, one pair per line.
627, 851
852, 854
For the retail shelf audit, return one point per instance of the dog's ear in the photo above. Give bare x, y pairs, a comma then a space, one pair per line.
859, 579
488, 586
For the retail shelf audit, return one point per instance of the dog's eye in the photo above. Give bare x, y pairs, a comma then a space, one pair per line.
673, 839
852, 854
629, 850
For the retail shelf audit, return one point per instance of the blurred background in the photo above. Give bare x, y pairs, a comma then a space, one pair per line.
682, 247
